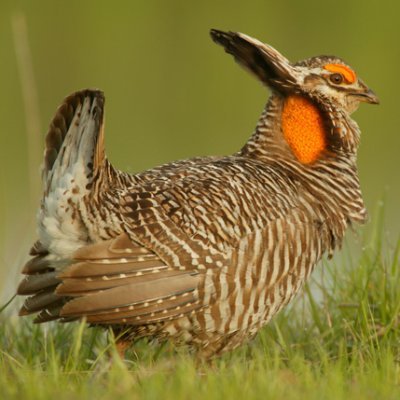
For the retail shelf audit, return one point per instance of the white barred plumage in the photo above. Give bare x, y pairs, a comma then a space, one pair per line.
203, 251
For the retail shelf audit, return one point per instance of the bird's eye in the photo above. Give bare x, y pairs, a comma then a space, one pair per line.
336, 78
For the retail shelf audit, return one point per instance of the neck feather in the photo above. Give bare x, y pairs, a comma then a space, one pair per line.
332, 176
298, 128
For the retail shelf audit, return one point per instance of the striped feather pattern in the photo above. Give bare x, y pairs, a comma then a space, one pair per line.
205, 251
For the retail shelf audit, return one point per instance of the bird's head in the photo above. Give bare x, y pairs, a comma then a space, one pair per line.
326, 80
318, 95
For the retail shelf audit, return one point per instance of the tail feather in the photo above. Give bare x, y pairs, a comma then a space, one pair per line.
74, 158
75, 134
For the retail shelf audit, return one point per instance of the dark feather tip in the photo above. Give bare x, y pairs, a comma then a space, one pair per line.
230, 41
221, 37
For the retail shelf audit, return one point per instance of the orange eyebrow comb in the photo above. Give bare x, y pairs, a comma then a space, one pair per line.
349, 75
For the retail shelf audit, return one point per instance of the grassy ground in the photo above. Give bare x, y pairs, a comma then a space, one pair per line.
340, 340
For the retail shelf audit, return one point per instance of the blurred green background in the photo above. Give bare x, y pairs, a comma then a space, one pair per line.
171, 93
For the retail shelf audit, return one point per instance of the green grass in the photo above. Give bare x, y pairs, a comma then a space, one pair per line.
340, 340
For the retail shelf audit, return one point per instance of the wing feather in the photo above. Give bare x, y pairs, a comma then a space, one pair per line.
131, 294
32, 284
78, 286
111, 282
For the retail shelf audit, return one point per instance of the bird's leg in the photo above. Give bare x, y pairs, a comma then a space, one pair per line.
122, 346
121, 340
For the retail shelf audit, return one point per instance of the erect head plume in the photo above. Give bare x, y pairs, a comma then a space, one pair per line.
270, 66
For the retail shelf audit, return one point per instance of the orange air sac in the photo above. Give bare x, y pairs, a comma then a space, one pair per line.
303, 129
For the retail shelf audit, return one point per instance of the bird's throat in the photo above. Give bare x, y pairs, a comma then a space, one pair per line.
303, 128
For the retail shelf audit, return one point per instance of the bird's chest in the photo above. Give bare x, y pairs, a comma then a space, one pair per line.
267, 269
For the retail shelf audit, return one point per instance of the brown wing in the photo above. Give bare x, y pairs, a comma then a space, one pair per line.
113, 282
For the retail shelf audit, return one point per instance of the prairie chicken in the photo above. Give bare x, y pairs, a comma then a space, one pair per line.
204, 251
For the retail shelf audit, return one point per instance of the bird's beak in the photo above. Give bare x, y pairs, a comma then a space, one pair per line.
368, 97
364, 94
271, 67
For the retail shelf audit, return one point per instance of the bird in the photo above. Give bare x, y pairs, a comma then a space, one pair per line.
203, 251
